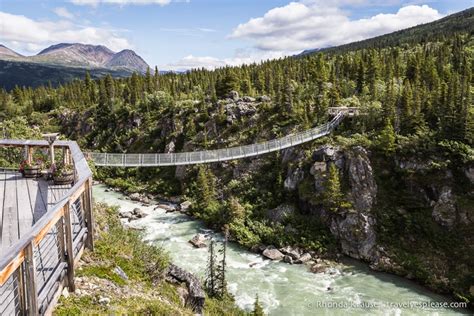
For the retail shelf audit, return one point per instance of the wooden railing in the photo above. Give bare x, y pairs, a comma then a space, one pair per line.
37, 267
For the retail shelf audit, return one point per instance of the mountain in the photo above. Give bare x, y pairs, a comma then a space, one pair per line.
6, 52
76, 55
127, 59
64, 62
434, 31
82, 56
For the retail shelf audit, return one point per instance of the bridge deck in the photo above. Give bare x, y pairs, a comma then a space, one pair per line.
22, 203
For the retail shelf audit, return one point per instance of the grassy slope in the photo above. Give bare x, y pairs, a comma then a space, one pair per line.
144, 293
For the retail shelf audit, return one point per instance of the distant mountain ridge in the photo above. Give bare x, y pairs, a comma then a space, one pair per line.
81, 56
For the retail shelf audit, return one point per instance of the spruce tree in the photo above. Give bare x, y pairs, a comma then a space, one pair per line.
387, 138
257, 308
333, 197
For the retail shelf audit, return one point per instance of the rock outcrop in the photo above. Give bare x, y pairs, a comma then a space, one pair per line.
354, 227
196, 296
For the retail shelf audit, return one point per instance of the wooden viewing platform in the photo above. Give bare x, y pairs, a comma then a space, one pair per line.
44, 229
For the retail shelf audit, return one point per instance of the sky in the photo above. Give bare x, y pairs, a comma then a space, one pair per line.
185, 34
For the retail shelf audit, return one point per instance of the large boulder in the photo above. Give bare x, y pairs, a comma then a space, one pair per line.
273, 253
198, 241
304, 258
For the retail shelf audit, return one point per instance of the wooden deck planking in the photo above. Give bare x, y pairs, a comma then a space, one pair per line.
25, 207
37, 200
22, 203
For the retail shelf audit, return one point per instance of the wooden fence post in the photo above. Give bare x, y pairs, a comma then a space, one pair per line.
21, 290
70, 251
88, 210
31, 290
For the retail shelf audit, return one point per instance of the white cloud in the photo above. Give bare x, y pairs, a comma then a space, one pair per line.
121, 2
63, 13
208, 62
308, 24
27, 35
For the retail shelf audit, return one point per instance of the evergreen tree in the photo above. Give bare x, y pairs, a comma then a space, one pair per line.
387, 138
257, 308
227, 84
211, 271
333, 197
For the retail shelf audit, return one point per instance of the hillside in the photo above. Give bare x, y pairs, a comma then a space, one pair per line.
435, 31
6, 52
27, 74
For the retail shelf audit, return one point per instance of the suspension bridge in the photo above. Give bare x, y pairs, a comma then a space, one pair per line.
231, 153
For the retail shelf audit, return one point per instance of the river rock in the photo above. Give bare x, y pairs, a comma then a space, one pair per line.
135, 197
139, 213
198, 241
196, 297
166, 207
273, 253
288, 259
319, 268
184, 207
289, 251
127, 214
304, 258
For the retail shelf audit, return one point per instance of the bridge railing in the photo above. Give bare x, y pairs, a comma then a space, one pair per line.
34, 270
206, 156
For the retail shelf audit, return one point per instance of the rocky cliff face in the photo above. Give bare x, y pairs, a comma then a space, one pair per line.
353, 227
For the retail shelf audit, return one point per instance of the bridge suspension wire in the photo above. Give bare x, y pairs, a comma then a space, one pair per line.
207, 156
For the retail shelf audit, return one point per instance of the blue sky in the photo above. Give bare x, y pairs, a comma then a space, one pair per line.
183, 34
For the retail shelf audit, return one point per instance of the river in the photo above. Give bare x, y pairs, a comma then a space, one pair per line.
283, 289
